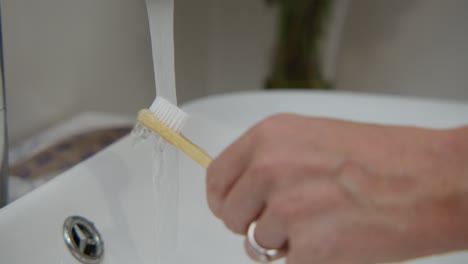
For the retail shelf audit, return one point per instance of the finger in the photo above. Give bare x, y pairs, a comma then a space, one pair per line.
247, 198
224, 171
254, 255
338, 237
295, 202
294, 206
314, 244
271, 231
244, 203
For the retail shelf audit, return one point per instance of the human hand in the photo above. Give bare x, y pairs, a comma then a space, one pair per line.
337, 192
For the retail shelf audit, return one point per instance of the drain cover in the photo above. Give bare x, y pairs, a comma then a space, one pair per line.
83, 240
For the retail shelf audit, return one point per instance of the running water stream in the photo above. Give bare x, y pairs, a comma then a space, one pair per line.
165, 168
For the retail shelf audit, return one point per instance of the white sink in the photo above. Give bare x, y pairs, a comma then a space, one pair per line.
114, 188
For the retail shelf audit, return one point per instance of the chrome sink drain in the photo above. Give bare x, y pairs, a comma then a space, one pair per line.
83, 240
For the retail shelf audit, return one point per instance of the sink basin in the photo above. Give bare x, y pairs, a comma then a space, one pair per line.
114, 188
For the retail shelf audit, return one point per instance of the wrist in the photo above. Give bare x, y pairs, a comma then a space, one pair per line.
455, 144
455, 148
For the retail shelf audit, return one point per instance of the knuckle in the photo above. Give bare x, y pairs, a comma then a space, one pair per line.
299, 203
289, 206
322, 244
276, 119
279, 118
213, 188
321, 164
214, 206
212, 184
214, 194
272, 123
328, 243
329, 196
304, 242
265, 170
234, 225
323, 250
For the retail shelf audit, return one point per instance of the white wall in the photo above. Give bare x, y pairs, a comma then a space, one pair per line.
63, 56
410, 47
222, 45
192, 21
241, 44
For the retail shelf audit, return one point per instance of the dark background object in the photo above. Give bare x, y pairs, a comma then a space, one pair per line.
296, 61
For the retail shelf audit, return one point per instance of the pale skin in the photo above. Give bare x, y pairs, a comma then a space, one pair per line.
337, 192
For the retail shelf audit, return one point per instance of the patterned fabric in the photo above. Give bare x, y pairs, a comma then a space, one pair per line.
66, 153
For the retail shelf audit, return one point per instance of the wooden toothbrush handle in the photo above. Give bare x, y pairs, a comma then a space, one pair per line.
192, 150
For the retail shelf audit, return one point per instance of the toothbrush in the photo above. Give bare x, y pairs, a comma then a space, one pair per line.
168, 120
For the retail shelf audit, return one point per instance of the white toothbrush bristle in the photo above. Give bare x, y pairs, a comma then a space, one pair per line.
169, 114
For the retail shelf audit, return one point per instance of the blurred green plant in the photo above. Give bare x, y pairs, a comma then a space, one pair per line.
296, 59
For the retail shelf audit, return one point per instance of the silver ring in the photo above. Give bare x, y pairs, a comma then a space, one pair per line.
265, 255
